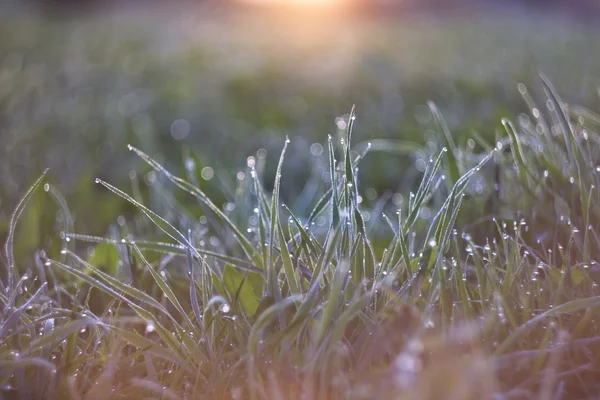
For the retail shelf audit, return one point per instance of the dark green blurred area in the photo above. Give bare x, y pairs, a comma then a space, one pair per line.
74, 93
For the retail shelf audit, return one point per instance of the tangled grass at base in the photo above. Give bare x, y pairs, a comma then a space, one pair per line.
280, 307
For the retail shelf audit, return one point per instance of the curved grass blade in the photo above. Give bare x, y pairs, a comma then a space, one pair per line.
61, 202
193, 292
272, 285
168, 248
349, 189
167, 336
288, 267
159, 221
351, 312
565, 124
11, 272
423, 194
402, 147
335, 292
14, 317
200, 195
113, 283
165, 288
61, 333
145, 344
320, 206
565, 308
315, 285
453, 168
312, 245
263, 320
368, 259
335, 216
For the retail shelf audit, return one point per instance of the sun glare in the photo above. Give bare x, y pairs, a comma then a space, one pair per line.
311, 3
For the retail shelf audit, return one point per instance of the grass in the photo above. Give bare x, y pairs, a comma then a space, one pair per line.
482, 286
74, 93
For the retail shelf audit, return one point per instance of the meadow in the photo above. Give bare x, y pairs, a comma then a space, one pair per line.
307, 206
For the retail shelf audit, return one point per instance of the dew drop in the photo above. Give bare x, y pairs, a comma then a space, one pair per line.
149, 327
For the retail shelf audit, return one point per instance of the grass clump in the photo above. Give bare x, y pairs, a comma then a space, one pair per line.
253, 301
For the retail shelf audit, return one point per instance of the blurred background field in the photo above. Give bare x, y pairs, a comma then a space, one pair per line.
219, 82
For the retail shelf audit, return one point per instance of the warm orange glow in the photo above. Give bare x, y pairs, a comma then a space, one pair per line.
311, 3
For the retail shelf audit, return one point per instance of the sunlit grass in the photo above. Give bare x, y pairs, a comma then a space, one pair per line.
254, 301
427, 253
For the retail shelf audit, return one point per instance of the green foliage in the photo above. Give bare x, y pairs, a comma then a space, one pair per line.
349, 300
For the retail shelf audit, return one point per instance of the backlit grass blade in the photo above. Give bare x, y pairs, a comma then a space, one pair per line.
401, 147
272, 285
113, 283
314, 247
522, 169
159, 221
320, 206
368, 260
349, 173
11, 271
565, 124
315, 283
422, 194
453, 168
168, 248
165, 334
14, 316
287, 264
335, 216
61, 202
199, 194
193, 291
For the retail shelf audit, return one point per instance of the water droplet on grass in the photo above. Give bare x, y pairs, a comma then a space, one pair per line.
149, 327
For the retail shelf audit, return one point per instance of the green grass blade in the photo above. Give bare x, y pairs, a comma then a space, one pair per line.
11, 272
200, 195
453, 168
113, 284
168, 248
523, 330
159, 221
335, 216
288, 267
272, 285
13, 318
165, 288
61, 333
331, 303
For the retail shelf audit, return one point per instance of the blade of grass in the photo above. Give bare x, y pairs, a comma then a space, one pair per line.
11, 271
200, 195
